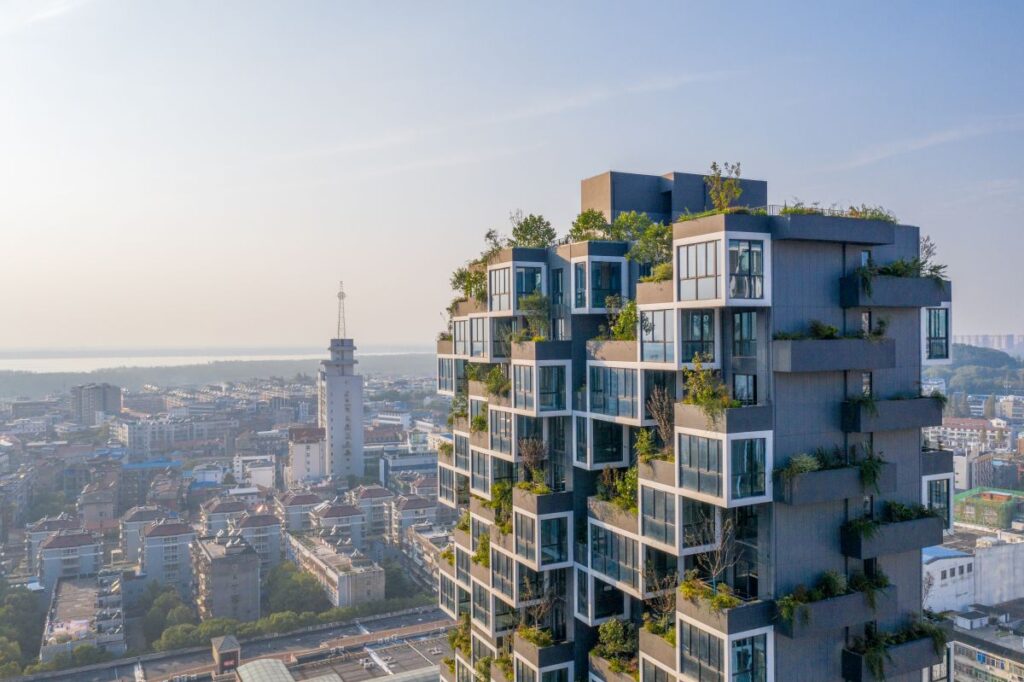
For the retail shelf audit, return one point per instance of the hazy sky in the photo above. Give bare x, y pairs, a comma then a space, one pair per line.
202, 173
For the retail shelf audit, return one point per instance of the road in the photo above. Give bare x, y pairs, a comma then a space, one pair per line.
167, 667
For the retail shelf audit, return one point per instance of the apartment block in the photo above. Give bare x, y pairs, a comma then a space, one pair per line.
68, 554
342, 521
42, 529
605, 466
347, 575
133, 523
408, 511
91, 403
217, 514
262, 530
307, 456
375, 503
84, 612
227, 577
293, 507
165, 556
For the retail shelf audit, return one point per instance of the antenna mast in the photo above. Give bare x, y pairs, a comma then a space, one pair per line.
341, 310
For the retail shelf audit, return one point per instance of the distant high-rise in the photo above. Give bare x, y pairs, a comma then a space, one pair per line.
340, 392
90, 402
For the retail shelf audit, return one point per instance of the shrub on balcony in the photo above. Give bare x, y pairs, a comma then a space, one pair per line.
501, 504
921, 266
497, 383
875, 646
662, 272
869, 585
459, 408
537, 309
478, 424
504, 663
539, 637
829, 585
463, 522
663, 626
718, 597
459, 636
620, 488
482, 555
445, 449
448, 554
705, 389
894, 512
483, 669
617, 643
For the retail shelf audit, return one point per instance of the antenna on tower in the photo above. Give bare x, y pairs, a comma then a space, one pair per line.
341, 310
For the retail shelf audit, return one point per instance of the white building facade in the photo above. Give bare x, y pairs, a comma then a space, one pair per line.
340, 396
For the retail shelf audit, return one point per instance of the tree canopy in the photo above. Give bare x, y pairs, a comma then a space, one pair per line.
531, 230
286, 588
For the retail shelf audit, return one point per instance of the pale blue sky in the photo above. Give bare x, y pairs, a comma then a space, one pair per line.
202, 173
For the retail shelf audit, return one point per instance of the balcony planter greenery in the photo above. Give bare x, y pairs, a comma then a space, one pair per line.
542, 350
447, 669
539, 648
529, 497
866, 414
862, 290
660, 647
910, 649
611, 350
720, 609
612, 514
614, 657
902, 528
502, 669
827, 476
834, 603
445, 345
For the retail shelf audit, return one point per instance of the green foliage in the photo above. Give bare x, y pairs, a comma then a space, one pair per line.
704, 388
470, 281
866, 212
482, 555
874, 647
22, 618
662, 625
286, 588
617, 642
498, 384
662, 272
626, 320
397, 582
483, 669
448, 554
79, 656
463, 522
539, 637
619, 487
646, 446
630, 226
799, 464
652, 245
723, 184
863, 526
478, 424
589, 224
820, 330
718, 598
869, 585
459, 638
504, 663
501, 504
445, 450
866, 401
531, 231
48, 503
870, 471
165, 600
537, 309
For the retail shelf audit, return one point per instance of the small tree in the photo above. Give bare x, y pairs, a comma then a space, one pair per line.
536, 307
533, 453
724, 553
705, 390
723, 183
653, 245
531, 230
590, 224
662, 406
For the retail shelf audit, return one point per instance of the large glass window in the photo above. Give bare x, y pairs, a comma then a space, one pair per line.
746, 268
551, 387
581, 439
614, 555
498, 289
698, 523
938, 334
655, 379
744, 334
502, 573
522, 385
698, 335
938, 498
700, 654
445, 374
554, 540
524, 673
481, 605
613, 391
460, 337
480, 480
580, 279
502, 331
526, 545
657, 340
698, 271
605, 281
528, 280
747, 468
556, 291
462, 561
478, 336
652, 673
658, 515
462, 452
750, 659
700, 464
744, 388
607, 441
558, 675
446, 484
501, 431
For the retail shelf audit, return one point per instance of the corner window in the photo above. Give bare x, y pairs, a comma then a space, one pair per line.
700, 464
938, 334
522, 382
747, 469
460, 337
700, 654
698, 271
527, 282
613, 391
554, 541
750, 659
658, 515
746, 269
551, 387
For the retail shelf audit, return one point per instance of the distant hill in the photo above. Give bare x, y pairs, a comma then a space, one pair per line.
980, 370
38, 385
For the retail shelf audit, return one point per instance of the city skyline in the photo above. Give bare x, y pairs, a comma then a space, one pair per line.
179, 174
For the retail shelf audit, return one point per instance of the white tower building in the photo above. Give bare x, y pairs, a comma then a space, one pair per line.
340, 392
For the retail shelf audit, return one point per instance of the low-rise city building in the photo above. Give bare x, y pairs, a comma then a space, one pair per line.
68, 554
133, 523
347, 575
227, 577
293, 508
165, 557
217, 514
262, 530
408, 511
84, 612
340, 520
42, 529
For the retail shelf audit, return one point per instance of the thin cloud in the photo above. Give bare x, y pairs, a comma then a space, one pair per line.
17, 16
967, 131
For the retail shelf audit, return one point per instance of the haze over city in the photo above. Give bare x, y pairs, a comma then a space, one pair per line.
199, 174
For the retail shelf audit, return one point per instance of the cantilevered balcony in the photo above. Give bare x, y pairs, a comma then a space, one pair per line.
732, 420
469, 307
748, 615
657, 648
478, 389
612, 515
893, 292
602, 669
839, 612
909, 657
833, 355
445, 346
891, 415
657, 471
830, 485
936, 462
654, 292
612, 351
542, 350
891, 538
543, 503
543, 656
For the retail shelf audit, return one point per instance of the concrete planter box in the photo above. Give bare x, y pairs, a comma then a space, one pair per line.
445, 347
478, 390
936, 462
470, 307
833, 355
657, 648
481, 574
550, 503
505, 541
481, 440
822, 228
477, 507
830, 485
542, 350
460, 424
658, 470
733, 420
612, 351
655, 292
542, 657
892, 415
446, 568
746, 616
903, 658
611, 514
446, 674
602, 669
839, 612
497, 675
894, 292
462, 539
893, 538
